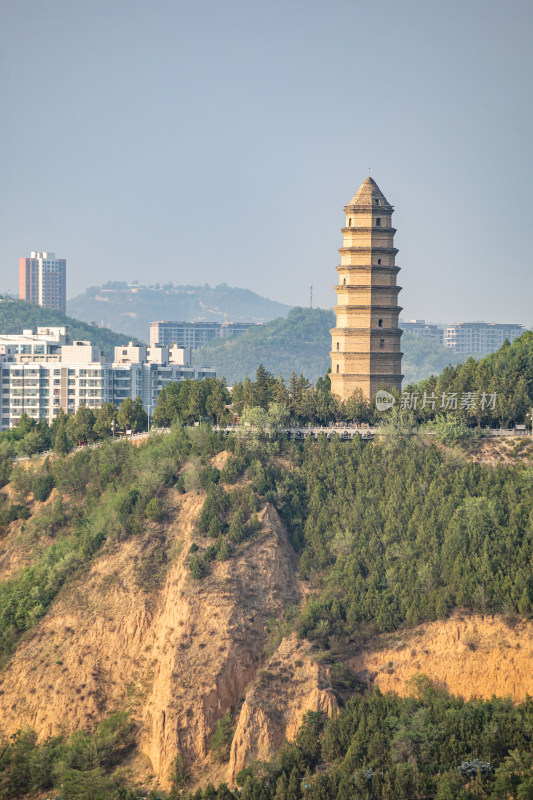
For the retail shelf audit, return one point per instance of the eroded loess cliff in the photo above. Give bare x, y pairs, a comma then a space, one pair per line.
179, 655
291, 684
470, 656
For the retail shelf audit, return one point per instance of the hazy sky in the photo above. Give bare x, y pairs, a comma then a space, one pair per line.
206, 142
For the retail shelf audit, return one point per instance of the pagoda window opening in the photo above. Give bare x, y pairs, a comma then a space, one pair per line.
337, 367
378, 222
350, 222
379, 260
345, 281
381, 344
338, 345
380, 323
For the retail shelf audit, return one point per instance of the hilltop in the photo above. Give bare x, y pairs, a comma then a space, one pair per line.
131, 307
16, 315
301, 342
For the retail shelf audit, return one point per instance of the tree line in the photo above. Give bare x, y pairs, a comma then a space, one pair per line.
378, 747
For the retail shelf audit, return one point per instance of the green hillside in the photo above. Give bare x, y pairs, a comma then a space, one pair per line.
15, 315
388, 535
301, 343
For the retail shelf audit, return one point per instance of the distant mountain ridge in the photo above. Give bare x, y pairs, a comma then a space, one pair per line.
130, 307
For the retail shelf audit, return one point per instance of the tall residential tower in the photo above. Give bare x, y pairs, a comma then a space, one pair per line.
43, 279
366, 342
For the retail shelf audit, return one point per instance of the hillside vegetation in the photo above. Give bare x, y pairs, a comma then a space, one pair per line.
131, 307
499, 387
301, 343
16, 315
386, 535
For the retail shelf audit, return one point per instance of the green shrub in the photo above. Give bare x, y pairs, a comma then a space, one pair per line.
233, 469
197, 567
179, 775
210, 553
222, 547
215, 505
42, 487
18, 511
154, 510
237, 530
208, 476
220, 742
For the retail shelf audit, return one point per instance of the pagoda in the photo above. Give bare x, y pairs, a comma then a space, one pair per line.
366, 352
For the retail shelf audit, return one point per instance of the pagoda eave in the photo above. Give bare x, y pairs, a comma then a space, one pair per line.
368, 307
377, 267
391, 251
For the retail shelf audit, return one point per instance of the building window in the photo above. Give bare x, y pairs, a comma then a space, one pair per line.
380, 323
350, 222
337, 367
379, 260
378, 222
337, 345
381, 344
345, 281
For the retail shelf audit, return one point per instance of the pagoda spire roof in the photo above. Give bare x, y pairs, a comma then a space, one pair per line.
367, 195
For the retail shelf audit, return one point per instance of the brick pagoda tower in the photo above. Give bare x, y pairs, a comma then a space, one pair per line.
366, 342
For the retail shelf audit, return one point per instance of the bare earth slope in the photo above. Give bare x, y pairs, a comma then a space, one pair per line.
179, 657
474, 656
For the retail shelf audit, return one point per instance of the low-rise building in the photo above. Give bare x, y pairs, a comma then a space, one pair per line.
194, 334
43, 373
480, 337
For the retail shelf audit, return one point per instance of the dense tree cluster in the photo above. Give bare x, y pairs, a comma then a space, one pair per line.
82, 767
270, 401
497, 390
399, 533
29, 437
192, 401
379, 747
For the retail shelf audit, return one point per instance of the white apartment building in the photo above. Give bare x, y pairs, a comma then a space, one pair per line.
40, 373
480, 337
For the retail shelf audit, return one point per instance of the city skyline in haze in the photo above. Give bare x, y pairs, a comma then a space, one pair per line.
208, 143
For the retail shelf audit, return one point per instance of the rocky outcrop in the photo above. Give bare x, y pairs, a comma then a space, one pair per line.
291, 684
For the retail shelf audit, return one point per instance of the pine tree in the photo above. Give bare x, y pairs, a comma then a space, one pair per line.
294, 790
61, 443
237, 531
281, 787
